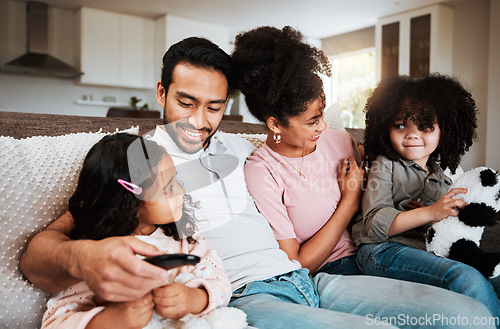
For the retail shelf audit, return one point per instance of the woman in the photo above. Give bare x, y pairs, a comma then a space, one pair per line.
304, 179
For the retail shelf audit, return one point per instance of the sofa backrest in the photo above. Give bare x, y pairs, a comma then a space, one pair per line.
22, 125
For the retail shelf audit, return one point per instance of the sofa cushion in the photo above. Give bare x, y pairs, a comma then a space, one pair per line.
256, 139
37, 177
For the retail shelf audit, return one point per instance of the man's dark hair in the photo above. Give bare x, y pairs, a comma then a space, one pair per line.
433, 99
198, 52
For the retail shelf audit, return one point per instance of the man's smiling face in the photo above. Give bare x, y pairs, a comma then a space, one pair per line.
193, 105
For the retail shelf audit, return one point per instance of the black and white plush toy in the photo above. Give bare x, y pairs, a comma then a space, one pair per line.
458, 237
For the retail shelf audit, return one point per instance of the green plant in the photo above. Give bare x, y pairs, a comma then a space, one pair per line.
134, 101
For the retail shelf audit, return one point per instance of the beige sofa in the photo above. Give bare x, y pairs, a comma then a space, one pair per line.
40, 158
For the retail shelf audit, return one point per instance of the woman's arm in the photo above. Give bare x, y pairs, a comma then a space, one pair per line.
313, 253
53, 262
266, 188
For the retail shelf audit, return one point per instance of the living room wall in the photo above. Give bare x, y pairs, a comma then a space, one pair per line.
476, 50
471, 42
493, 114
21, 93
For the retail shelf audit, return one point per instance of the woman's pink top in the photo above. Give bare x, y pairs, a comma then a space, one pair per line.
295, 207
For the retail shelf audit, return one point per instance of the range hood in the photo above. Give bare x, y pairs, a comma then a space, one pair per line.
37, 61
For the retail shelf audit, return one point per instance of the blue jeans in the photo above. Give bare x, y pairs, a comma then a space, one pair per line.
347, 265
295, 301
398, 261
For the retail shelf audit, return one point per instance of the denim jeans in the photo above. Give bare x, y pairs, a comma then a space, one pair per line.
398, 261
347, 265
296, 301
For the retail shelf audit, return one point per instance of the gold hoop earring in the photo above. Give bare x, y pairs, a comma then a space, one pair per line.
277, 138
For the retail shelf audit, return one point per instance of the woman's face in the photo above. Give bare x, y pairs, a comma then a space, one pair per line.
163, 201
303, 131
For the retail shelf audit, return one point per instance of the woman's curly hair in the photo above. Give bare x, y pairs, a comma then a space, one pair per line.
425, 101
103, 208
277, 72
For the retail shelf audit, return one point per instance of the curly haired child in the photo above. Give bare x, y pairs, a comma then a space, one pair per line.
128, 186
416, 128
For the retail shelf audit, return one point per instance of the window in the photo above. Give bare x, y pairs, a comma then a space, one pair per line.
353, 79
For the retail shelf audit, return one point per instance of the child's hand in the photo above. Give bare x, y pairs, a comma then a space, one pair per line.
418, 216
125, 315
176, 300
447, 205
351, 180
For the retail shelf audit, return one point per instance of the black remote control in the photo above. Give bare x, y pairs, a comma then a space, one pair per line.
169, 261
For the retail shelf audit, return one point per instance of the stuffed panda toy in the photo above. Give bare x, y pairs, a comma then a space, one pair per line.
458, 237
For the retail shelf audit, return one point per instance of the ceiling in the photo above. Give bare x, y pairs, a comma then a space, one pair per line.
314, 18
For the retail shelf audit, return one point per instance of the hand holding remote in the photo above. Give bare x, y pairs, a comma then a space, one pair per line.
169, 261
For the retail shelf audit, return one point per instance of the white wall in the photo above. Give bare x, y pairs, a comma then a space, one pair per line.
170, 29
476, 50
470, 65
23, 93
493, 113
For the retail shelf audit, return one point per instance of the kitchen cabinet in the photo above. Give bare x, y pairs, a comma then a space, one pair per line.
170, 29
115, 49
415, 43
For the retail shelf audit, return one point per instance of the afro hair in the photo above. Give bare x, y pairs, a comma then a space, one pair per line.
277, 72
428, 100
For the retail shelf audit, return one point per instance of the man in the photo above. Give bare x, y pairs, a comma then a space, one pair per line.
273, 291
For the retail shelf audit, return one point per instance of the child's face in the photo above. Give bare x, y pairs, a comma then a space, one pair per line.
167, 197
411, 143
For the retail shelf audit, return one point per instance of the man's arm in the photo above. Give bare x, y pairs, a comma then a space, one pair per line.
110, 268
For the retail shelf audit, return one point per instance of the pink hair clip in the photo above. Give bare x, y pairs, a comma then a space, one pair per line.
130, 186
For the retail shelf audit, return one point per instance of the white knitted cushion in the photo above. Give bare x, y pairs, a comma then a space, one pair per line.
256, 139
332, 117
37, 177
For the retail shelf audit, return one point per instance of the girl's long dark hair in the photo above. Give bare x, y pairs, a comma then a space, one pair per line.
103, 208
